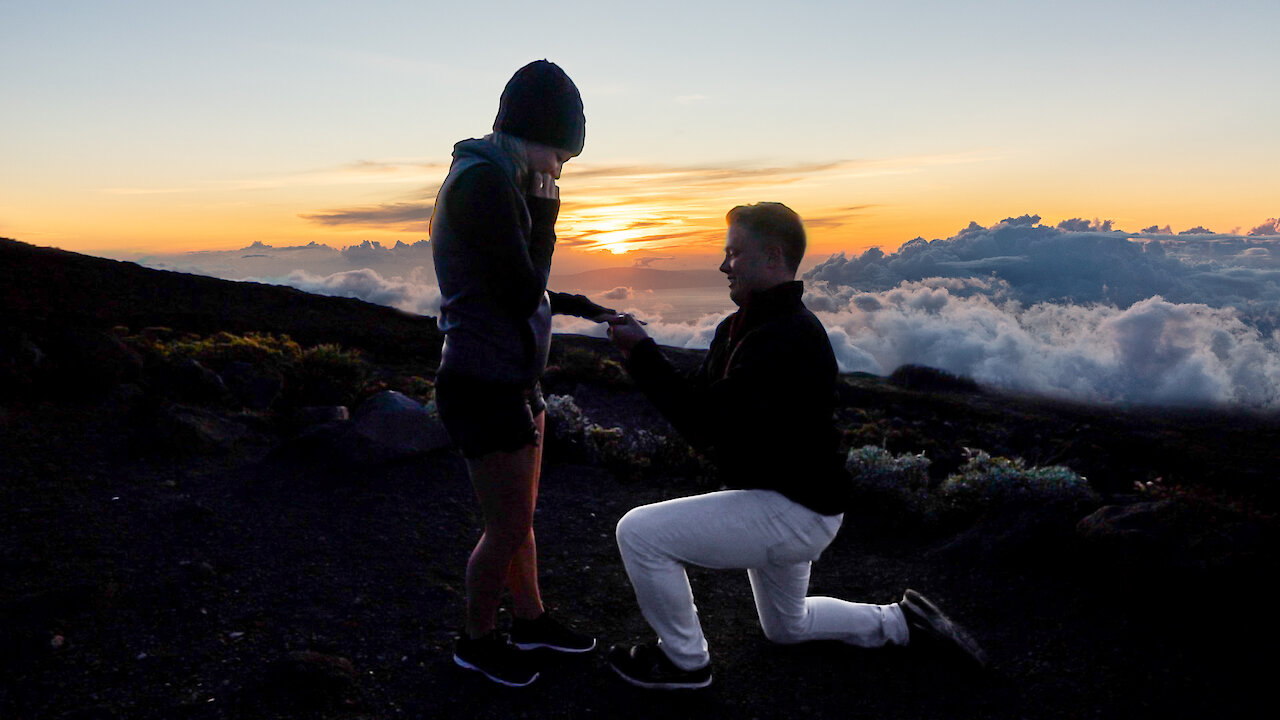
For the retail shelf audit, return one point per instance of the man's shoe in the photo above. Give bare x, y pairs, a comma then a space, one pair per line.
647, 666
930, 626
545, 631
496, 658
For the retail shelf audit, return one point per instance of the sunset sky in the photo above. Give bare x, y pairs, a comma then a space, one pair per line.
133, 127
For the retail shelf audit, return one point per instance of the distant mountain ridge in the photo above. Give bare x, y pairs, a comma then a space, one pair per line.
39, 284
640, 278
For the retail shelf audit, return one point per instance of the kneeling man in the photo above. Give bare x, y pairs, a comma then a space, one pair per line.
761, 407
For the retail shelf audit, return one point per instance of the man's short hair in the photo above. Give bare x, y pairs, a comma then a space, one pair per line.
773, 223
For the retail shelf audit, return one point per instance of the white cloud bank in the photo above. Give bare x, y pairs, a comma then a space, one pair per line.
1153, 352
1079, 310
1085, 313
415, 294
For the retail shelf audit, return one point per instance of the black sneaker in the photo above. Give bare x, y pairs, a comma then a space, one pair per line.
931, 627
647, 666
545, 631
496, 658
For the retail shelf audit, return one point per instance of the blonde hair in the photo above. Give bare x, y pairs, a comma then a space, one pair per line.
516, 148
773, 223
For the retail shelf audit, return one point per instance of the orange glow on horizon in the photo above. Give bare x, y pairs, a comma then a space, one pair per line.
608, 211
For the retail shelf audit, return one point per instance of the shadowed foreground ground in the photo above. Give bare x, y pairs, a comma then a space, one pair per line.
249, 582
178, 588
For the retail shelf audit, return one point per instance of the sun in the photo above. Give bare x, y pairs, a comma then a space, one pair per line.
617, 228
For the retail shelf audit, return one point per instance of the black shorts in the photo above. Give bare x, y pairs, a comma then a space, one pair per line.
484, 417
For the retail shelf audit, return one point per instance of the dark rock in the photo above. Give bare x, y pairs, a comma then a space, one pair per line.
20, 359
84, 361
387, 427
125, 397
1174, 533
320, 415
190, 381
1016, 535
190, 430
252, 386
391, 426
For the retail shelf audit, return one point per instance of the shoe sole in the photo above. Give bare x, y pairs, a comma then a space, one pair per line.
945, 630
661, 686
463, 663
557, 648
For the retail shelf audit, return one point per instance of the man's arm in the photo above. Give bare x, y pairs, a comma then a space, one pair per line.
579, 306
722, 412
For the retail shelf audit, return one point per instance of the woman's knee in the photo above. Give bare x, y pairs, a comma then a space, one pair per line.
509, 531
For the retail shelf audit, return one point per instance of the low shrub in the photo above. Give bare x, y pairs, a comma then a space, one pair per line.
219, 350
629, 453
583, 365
326, 374
330, 375
900, 480
901, 483
985, 482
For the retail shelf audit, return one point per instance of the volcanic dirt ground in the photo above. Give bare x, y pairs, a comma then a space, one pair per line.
259, 584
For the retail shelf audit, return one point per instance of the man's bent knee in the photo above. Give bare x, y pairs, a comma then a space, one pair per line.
783, 632
634, 527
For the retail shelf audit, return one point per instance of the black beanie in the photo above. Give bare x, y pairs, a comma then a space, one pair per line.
540, 103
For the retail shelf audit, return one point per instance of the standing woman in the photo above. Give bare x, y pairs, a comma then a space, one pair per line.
492, 236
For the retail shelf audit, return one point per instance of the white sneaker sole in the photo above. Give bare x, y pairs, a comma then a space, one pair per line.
661, 686
557, 648
463, 663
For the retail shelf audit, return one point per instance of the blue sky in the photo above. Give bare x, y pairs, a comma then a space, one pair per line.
171, 126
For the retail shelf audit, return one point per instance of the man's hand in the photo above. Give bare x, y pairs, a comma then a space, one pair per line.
625, 332
543, 185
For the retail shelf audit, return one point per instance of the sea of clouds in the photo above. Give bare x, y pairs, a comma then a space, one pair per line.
1078, 310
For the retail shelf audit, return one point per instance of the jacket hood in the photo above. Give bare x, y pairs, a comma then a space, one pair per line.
484, 151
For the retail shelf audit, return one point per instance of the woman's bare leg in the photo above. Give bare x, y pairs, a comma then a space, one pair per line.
522, 575
506, 487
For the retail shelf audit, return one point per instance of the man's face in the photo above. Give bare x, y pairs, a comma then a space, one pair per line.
748, 265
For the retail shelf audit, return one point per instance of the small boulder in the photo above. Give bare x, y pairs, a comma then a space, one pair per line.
1174, 533
84, 361
308, 417
190, 381
191, 430
392, 426
252, 386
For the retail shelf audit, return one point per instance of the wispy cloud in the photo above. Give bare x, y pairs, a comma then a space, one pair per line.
663, 207
407, 216
361, 172
623, 207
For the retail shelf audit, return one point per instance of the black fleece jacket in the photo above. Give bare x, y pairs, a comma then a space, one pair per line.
492, 247
762, 404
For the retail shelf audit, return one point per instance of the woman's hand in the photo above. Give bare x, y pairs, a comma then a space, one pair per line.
626, 332
543, 185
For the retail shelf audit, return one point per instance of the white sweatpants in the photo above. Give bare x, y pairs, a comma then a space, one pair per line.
774, 539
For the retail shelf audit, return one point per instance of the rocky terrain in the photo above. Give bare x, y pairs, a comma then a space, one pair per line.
203, 525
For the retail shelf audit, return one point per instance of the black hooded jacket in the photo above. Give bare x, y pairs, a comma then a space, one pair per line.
492, 247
